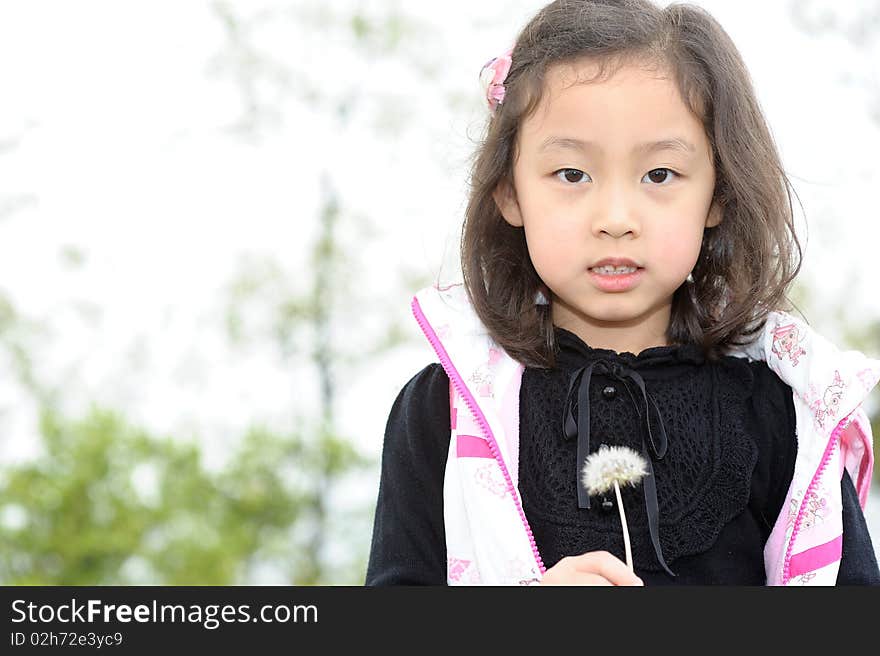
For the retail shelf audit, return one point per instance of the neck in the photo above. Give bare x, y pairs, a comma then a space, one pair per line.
629, 335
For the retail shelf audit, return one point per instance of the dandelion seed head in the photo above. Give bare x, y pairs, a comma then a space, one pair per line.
612, 463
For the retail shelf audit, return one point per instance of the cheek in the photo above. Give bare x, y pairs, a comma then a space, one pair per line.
553, 245
677, 251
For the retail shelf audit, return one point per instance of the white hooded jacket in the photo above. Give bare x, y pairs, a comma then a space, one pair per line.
488, 537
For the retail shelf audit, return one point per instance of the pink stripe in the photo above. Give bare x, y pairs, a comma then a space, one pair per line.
815, 558
826, 456
471, 446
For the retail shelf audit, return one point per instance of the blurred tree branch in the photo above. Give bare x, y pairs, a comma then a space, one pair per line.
308, 312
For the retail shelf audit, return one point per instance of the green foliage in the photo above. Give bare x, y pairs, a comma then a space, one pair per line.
108, 504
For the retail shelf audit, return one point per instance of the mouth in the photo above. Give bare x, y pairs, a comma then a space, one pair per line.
615, 278
614, 265
611, 270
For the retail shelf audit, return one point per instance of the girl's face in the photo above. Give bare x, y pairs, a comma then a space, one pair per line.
588, 186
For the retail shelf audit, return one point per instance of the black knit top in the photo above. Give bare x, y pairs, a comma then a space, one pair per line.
721, 477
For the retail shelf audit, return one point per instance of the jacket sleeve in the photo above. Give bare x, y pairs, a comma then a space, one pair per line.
409, 541
773, 401
858, 561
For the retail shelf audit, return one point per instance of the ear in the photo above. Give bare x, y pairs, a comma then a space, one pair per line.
716, 214
505, 199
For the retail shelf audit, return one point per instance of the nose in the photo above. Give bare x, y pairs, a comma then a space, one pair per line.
615, 213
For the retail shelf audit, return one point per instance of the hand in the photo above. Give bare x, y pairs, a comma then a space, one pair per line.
591, 568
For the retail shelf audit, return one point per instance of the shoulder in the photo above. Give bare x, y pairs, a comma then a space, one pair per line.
768, 407
769, 400
754, 379
419, 417
420, 391
769, 389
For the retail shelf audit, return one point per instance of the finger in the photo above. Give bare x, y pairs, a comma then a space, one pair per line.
577, 578
608, 566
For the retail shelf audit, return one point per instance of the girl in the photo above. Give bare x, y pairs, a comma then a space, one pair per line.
626, 255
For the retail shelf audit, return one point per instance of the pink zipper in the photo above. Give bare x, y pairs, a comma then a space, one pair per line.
465, 393
826, 456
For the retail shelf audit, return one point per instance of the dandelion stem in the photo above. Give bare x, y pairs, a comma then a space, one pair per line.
626, 546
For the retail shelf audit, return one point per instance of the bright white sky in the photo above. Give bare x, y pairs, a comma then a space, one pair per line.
123, 146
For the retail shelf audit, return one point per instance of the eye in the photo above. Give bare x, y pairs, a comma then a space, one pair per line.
659, 176
570, 175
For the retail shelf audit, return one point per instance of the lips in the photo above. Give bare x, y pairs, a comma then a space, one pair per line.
616, 282
616, 262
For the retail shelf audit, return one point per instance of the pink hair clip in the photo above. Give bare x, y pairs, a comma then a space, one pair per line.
492, 77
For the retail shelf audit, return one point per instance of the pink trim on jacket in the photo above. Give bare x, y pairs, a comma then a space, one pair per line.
463, 391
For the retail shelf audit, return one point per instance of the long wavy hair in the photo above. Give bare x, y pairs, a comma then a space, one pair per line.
746, 263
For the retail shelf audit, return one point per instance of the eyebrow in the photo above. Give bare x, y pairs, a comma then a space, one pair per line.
566, 143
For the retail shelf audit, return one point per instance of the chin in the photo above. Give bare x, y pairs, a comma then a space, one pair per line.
609, 315
610, 308
614, 317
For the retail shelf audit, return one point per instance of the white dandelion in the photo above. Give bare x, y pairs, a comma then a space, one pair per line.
613, 466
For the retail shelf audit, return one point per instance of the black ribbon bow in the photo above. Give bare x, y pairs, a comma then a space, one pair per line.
580, 429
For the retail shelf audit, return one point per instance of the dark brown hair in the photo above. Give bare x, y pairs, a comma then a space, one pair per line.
746, 263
